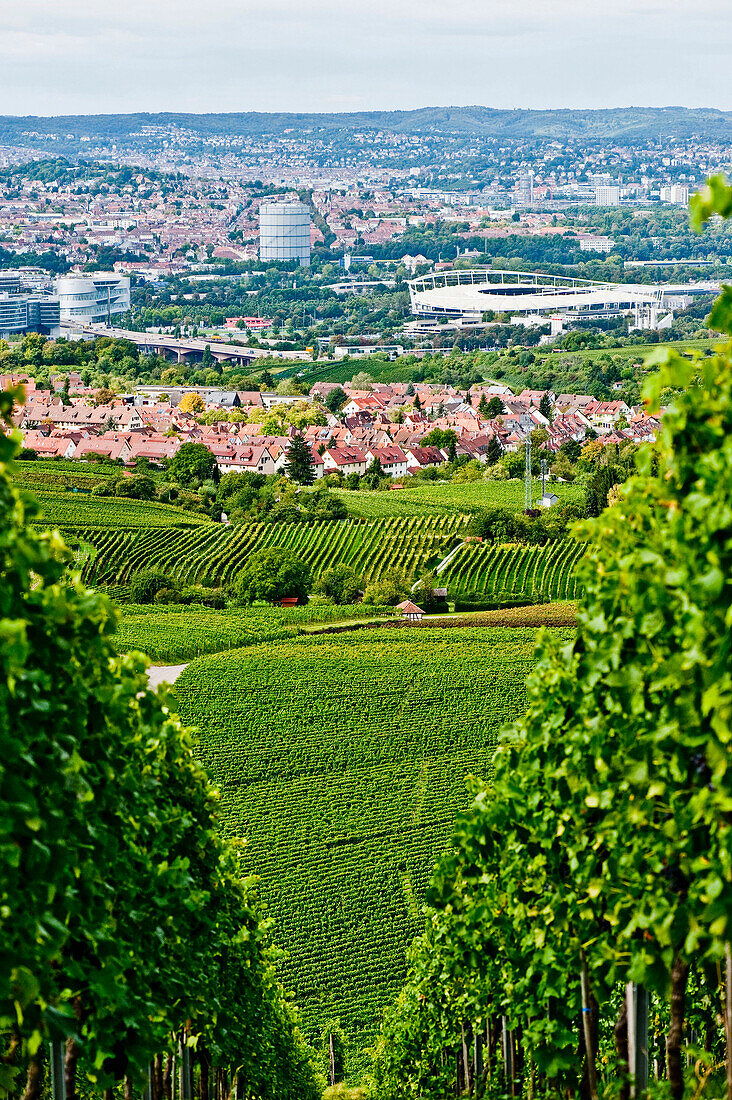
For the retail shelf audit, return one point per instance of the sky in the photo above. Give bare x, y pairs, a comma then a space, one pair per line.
108, 56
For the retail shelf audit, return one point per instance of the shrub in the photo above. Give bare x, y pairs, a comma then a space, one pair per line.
145, 586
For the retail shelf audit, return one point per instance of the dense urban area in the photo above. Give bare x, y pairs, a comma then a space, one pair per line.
328, 415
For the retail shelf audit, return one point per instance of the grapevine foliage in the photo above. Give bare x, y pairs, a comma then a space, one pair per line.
603, 848
123, 916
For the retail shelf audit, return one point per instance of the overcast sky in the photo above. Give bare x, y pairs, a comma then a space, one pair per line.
89, 56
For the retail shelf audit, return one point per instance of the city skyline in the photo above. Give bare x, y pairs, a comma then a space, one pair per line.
88, 57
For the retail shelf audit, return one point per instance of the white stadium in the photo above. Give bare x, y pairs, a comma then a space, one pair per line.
532, 298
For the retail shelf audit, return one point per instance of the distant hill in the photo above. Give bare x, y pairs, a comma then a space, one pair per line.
623, 125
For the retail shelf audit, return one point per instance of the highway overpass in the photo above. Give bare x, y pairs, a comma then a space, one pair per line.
183, 348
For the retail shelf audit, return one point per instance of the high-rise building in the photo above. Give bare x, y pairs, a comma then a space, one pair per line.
678, 194
525, 188
607, 195
99, 298
284, 232
23, 309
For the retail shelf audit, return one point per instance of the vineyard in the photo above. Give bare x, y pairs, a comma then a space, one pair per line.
179, 633
342, 762
430, 498
74, 512
491, 570
213, 554
59, 476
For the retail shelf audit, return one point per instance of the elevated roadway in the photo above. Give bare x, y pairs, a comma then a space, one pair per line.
183, 348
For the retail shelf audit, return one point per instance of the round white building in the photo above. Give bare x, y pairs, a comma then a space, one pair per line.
284, 232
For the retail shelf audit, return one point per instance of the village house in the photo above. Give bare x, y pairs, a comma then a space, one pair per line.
345, 460
393, 460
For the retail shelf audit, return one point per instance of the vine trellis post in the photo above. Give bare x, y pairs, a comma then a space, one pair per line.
56, 1060
637, 1009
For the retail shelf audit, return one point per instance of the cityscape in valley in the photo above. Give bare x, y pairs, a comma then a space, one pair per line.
365, 557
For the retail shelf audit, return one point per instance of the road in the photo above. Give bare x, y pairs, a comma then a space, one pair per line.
163, 674
181, 347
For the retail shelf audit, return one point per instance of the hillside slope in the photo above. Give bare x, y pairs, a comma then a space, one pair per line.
342, 762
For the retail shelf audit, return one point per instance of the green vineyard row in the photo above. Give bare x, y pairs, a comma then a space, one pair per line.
75, 511
175, 632
341, 761
496, 570
212, 554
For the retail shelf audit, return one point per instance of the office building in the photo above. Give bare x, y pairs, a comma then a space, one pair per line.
284, 232
98, 298
607, 195
23, 309
592, 243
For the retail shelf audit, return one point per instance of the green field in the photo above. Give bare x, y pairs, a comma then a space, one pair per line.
61, 475
341, 761
448, 498
174, 632
75, 512
501, 570
213, 554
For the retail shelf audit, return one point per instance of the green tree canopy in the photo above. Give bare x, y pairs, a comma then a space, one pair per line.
341, 584
273, 574
300, 466
192, 464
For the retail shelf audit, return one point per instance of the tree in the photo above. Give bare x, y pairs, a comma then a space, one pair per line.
341, 584
103, 396
138, 487
391, 588
299, 465
207, 360
192, 403
495, 408
374, 474
545, 407
335, 399
266, 381
483, 406
361, 381
272, 575
145, 586
440, 437
494, 451
192, 464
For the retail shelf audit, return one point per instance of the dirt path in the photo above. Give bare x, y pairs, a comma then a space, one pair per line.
164, 674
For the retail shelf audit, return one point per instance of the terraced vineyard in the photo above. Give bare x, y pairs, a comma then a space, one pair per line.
174, 632
213, 554
495, 570
342, 760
